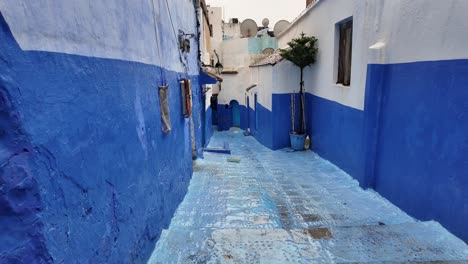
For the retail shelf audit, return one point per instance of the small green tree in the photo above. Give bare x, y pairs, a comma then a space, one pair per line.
302, 52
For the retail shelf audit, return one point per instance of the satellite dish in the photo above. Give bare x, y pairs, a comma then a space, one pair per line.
268, 51
280, 27
265, 22
249, 28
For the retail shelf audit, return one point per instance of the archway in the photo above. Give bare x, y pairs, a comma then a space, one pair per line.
235, 111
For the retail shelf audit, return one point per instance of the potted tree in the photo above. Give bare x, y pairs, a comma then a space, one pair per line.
302, 51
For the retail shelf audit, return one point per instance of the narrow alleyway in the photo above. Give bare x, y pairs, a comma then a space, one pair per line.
291, 207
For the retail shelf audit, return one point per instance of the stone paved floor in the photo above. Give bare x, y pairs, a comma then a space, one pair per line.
292, 207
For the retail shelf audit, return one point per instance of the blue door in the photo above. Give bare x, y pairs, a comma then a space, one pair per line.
235, 110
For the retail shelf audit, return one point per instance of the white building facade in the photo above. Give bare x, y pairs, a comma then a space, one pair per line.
400, 126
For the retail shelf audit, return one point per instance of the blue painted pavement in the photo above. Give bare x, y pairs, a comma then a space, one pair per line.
291, 207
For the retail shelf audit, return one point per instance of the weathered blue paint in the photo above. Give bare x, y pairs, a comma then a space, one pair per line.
422, 145
224, 117
20, 201
257, 45
86, 169
198, 102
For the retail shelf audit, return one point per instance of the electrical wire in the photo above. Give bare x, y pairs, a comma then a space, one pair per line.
176, 38
156, 34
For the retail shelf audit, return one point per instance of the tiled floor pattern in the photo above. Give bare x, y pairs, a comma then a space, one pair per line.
292, 207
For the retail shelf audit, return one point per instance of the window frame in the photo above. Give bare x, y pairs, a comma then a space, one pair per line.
344, 51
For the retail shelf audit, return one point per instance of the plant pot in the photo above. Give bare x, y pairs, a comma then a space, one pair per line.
297, 141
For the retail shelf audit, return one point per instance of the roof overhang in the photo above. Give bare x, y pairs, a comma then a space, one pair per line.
207, 77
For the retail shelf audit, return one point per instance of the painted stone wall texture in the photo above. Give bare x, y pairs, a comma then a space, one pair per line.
86, 174
421, 143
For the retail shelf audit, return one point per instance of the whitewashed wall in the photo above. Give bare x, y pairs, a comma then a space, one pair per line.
232, 30
205, 39
235, 54
262, 76
286, 78
406, 30
320, 79
96, 28
234, 85
216, 19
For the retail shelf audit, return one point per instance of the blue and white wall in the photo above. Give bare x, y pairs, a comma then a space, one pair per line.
86, 172
400, 127
237, 55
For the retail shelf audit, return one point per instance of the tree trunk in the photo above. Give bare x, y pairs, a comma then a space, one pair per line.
301, 94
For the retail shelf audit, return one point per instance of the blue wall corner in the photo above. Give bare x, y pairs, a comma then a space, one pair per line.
261, 129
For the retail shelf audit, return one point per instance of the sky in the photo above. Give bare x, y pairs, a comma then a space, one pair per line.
259, 9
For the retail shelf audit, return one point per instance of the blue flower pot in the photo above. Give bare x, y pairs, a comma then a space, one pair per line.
297, 141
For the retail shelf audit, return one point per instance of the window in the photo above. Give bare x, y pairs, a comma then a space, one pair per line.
345, 31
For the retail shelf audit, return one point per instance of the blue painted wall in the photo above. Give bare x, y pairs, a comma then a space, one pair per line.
264, 132
224, 117
86, 172
208, 125
282, 125
337, 134
336, 130
410, 144
271, 128
235, 112
422, 140
244, 118
198, 107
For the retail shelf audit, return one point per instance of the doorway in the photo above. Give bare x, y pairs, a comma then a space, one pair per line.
235, 111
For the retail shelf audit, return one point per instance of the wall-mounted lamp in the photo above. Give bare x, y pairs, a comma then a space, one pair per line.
184, 41
218, 66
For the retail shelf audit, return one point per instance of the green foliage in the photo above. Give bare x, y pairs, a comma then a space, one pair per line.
302, 51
